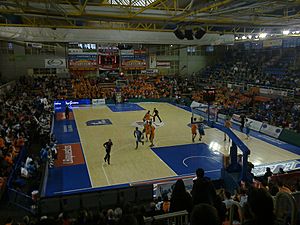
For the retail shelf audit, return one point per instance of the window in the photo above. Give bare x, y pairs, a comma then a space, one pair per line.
6, 47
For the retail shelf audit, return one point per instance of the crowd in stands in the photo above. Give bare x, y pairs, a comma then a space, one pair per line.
144, 87
90, 88
267, 68
253, 205
26, 122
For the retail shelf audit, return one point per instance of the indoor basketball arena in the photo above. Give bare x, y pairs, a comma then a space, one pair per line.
149, 112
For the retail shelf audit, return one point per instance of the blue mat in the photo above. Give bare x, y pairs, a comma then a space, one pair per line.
185, 159
125, 107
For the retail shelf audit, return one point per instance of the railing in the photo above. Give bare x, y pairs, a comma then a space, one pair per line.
175, 218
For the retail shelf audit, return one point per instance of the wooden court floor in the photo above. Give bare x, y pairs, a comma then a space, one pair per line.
131, 165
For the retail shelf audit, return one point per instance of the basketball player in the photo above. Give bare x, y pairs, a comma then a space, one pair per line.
227, 124
242, 117
107, 145
201, 130
152, 133
67, 111
147, 129
194, 130
248, 125
147, 116
155, 114
138, 137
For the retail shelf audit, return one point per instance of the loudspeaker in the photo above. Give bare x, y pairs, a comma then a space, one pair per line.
188, 33
200, 33
178, 33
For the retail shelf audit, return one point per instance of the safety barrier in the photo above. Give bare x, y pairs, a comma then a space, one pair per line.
178, 218
95, 200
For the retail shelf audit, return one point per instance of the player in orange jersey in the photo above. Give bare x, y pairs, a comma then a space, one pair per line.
147, 129
152, 133
194, 130
147, 116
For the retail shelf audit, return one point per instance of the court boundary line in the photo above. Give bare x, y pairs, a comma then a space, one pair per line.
83, 152
105, 174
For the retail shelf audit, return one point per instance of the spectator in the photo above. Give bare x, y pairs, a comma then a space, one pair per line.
203, 190
205, 214
260, 206
268, 173
180, 198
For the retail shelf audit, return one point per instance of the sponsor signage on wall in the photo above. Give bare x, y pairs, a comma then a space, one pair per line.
268, 91
270, 130
152, 61
163, 64
133, 59
100, 101
82, 61
255, 125
272, 43
55, 63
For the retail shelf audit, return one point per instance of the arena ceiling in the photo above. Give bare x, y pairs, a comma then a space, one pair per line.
224, 16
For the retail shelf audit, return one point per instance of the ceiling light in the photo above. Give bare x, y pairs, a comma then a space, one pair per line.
236, 38
263, 35
244, 37
249, 36
297, 31
285, 32
256, 36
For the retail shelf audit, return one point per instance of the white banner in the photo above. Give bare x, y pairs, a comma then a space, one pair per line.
152, 61
100, 101
270, 130
272, 43
268, 91
255, 125
55, 63
236, 119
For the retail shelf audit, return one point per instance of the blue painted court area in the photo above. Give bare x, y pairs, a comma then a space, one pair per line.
127, 107
185, 159
72, 177
65, 131
67, 179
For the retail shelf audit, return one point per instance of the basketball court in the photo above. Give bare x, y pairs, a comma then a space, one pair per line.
80, 166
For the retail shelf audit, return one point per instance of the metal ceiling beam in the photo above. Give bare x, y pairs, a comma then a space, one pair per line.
82, 8
153, 4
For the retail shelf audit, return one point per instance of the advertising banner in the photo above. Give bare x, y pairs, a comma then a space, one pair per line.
270, 130
152, 61
82, 61
133, 59
268, 91
272, 43
163, 64
100, 101
255, 125
55, 63
63, 103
